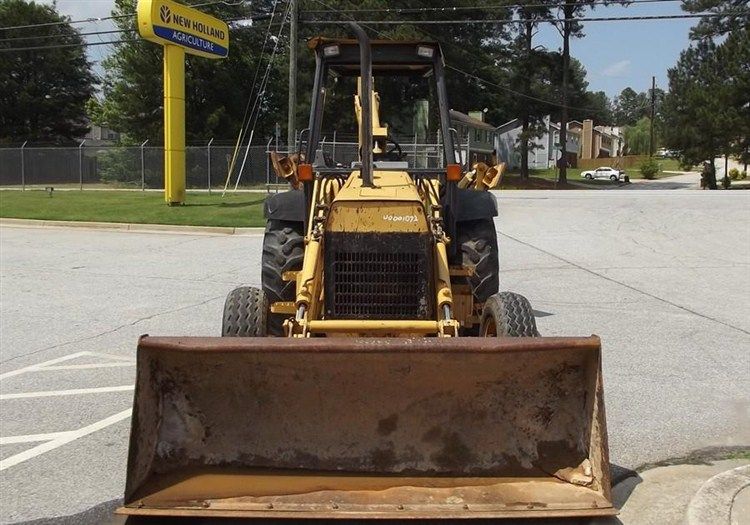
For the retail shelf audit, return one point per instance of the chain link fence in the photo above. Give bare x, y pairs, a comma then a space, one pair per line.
128, 167
142, 167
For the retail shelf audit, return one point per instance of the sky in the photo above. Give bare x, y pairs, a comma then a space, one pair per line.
616, 55
624, 54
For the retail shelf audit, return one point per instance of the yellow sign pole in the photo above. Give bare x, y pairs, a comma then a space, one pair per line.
174, 124
179, 29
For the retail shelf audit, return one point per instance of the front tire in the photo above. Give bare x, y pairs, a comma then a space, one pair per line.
508, 314
589, 176
613, 178
245, 313
283, 251
477, 241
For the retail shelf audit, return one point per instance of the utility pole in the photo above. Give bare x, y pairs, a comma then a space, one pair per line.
653, 112
290, 140
568, 11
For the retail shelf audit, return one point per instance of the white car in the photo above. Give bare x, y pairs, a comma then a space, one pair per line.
604, 172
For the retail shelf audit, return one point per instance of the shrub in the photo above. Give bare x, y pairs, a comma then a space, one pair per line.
649, 169
734, 174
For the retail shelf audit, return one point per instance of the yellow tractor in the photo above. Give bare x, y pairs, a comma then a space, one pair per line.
378, 373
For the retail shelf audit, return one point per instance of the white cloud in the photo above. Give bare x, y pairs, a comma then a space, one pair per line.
91, 9
82, 9
618, 69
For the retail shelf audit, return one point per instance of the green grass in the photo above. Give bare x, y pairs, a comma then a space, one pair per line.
201, 209
574, 174
669, 165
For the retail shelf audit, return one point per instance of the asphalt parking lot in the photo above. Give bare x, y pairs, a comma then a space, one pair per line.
662, 276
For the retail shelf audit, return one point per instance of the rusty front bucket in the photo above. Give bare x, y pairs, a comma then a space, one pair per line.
370, 428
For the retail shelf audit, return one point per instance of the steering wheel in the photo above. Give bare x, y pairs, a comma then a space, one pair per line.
395, 152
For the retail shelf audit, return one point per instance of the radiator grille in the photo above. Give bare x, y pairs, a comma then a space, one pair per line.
382, 280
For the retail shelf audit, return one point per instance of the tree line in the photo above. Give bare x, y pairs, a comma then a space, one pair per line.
53, 94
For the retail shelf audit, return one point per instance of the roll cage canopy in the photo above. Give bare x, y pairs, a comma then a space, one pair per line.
342, 56
389, 57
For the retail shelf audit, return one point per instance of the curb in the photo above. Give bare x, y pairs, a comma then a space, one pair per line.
713, 501
131, 227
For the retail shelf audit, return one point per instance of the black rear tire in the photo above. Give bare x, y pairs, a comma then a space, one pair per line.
245, 313
477, 242
283, 251
508, 314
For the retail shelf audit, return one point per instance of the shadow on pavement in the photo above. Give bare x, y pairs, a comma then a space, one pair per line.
98, 515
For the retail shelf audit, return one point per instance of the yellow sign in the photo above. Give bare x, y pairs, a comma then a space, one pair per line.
179, 29
169, 23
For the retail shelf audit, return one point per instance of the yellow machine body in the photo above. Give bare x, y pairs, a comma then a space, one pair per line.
374, 403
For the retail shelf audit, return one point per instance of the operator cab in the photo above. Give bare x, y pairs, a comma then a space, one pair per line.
414, 137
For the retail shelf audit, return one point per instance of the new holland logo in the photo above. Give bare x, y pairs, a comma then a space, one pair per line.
165, 14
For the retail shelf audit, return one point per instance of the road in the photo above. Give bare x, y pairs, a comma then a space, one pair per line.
662, 276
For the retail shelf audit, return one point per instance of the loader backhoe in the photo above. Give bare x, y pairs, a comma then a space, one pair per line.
377, 373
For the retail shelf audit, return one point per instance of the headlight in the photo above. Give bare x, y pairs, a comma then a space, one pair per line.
331, 51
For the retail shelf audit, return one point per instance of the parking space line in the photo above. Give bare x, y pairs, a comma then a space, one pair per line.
63, 439
110, 356
71, 392
50, 365
30, 438
32, 368
87, 366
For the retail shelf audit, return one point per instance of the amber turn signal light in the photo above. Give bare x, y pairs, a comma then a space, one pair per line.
305, 172
453, 172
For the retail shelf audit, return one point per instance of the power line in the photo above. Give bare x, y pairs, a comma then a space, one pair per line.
65, 22
484, 81
255, 76
474, 8
39, 37
526, 20
59, 46
86, 44
351, 18
256, 109
114, 17
520, 94
116, 31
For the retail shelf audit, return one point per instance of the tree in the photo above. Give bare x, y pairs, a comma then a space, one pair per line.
584, 104
637, 137
695, 114
731, 15
630, 107
733, 63
527, 74
569, 28
43, 92
596, 106
216, 91
482, 52
707, 110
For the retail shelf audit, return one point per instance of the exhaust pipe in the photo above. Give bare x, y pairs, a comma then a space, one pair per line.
365, 101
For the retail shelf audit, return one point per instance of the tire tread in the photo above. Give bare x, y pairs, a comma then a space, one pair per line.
245, 313
478, 246
512, 313
283, 251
